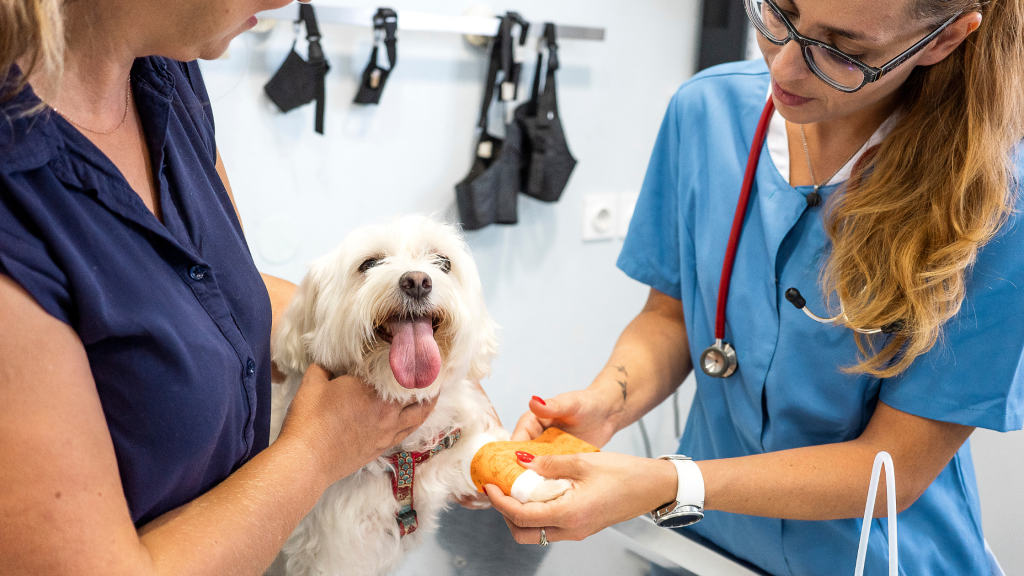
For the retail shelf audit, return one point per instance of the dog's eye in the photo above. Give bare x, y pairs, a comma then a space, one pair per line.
368, 263
444, 263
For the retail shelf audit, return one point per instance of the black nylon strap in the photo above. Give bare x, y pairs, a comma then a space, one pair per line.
499, 47
547, 102
386, 19
543, 106
385, 26
308, 17
550, 36
543, 102
512, 68
316, 60
524, 26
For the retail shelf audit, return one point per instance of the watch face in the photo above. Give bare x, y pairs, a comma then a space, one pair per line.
683, 519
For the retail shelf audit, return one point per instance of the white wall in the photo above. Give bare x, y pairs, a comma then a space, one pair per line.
561, 302
999, 464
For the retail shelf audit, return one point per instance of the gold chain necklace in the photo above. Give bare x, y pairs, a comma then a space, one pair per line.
127, 100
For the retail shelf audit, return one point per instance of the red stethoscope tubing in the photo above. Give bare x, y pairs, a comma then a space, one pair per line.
741, 213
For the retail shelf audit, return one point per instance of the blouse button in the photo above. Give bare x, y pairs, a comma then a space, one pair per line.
197, 272
250, 368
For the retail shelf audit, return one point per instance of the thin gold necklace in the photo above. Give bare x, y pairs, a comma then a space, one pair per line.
127, 100
813, 199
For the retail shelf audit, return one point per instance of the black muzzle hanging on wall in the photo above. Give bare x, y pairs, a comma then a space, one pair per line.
385, 24
547, 162
299, 82
489, 193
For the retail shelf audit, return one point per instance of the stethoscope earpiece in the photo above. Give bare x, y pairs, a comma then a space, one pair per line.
794, 297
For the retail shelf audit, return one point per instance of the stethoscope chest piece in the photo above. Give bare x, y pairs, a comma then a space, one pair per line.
719, 360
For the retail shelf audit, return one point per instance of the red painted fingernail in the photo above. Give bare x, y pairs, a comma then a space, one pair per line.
524, 456
541, 400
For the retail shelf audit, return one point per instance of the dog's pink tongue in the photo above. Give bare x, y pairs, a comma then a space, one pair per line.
415, 359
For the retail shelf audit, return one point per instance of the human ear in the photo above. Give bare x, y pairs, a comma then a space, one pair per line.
950, 38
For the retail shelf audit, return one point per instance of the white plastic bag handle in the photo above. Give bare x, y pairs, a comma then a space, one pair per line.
890, 494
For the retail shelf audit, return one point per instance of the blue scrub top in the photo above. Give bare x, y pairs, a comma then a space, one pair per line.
174, 316
789, 390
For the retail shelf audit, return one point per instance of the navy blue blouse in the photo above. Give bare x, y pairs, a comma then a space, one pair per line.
174, 316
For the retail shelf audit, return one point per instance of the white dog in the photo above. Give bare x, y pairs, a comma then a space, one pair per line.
400, 306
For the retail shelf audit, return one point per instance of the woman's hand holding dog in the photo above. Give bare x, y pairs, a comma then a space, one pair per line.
608, 488
345, 423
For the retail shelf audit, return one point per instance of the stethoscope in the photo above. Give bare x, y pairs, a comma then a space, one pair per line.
719, 359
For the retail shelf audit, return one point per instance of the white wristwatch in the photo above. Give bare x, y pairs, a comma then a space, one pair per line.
688, 507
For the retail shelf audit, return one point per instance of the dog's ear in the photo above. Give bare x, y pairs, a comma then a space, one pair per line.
290, 349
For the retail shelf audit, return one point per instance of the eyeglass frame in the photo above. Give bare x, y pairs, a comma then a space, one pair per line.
871, 74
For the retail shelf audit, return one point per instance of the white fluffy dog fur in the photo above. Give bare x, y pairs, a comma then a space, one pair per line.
342, 318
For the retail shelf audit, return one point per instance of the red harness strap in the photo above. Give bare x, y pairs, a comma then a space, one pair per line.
403, 471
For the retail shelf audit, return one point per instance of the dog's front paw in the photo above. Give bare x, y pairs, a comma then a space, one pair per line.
475, 501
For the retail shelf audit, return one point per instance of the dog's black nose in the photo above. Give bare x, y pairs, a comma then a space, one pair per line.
416, 284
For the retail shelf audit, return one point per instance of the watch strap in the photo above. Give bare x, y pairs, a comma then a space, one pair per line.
690, 488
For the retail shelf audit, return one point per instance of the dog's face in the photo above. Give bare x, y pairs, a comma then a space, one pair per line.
399, 305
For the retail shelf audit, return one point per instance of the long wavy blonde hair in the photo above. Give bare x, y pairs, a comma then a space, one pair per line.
909, 226
32, 30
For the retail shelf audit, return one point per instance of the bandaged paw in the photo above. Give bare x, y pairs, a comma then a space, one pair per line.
496, 463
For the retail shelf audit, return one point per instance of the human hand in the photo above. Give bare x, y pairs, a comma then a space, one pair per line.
345, 423
608, 488
586, 414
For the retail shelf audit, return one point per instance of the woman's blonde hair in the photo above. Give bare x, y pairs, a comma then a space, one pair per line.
32, 31
908, 229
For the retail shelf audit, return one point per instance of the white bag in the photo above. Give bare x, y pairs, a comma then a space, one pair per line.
890, 496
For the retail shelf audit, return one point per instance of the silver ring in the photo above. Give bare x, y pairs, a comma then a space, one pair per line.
543, 538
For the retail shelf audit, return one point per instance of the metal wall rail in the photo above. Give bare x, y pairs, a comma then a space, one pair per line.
426, 21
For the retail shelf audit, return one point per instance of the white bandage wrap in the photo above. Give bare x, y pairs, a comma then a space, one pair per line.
523, 487
690, 490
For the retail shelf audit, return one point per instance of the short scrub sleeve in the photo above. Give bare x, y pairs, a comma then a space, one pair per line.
651, 251
975, 373
25, 258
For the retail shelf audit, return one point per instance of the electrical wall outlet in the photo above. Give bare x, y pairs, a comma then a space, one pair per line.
627, 203
600, 216
606, 215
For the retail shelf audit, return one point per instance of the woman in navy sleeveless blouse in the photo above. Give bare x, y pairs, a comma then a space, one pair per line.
135, 361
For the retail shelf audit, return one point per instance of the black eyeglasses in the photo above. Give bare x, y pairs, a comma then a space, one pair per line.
833, 66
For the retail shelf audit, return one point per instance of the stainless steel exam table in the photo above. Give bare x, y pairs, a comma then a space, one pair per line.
477, 542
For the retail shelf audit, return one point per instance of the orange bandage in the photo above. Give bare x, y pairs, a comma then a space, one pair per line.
496, 462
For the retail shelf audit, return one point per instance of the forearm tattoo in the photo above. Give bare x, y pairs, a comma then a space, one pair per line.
622, 382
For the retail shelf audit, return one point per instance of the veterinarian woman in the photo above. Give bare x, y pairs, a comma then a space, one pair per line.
134, 340
922, 241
